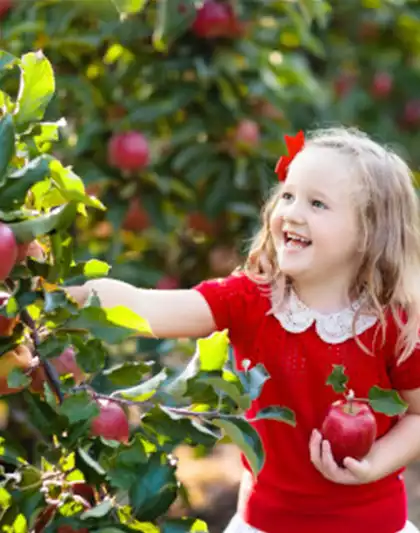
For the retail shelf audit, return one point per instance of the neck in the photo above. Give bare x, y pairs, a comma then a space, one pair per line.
327, 297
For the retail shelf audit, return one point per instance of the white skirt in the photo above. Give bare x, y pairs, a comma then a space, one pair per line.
237, 525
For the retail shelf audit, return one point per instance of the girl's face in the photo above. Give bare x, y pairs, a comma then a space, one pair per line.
314, 224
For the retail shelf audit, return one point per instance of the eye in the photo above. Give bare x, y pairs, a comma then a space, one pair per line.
318, 204
286, 196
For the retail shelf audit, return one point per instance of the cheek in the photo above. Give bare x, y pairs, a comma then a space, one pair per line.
276, 223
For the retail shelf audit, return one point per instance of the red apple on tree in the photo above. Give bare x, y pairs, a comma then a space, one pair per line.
8, 250
111, 423
412, 113
214, 19
5, 6
136, 217
247, 134
128, 151
350, 427
382, 84
64, 364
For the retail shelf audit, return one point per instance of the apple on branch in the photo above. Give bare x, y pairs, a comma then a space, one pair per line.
111, 423
128, 151
8, 251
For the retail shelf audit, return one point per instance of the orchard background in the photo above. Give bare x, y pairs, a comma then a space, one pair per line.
172, 114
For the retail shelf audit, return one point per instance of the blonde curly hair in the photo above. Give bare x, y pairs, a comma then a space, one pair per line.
389, 217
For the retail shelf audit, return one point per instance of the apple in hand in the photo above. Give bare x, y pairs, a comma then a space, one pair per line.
350, 428
111, 423
8, 250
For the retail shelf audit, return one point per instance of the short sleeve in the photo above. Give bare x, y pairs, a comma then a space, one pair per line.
406, 375
236, 304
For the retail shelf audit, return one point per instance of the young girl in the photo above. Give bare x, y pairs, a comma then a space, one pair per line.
331, 278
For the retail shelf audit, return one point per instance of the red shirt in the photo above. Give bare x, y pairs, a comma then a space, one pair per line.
290, 495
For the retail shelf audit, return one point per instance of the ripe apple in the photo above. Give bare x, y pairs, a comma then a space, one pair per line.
382, 84
6, 324
19, 357
128, 151
30, 249
8, 250
5, 6
350, 428
213, 20
64, 364
167, 282
136, 217
412, 112
111, 423
199, 222
247, 134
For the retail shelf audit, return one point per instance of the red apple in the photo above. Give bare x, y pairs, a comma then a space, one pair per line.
6, 324
412, 112
64, 364
5, 6
128, 151
168, 282
8, 250
111, 423
350, 428
214, 19
343, 84
382, 84
247, 134
136, 217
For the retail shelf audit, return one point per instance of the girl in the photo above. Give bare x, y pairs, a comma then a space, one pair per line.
331, 278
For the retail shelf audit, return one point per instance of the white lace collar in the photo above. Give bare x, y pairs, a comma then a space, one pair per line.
334, 328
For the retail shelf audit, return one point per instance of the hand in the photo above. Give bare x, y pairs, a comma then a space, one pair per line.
354, 472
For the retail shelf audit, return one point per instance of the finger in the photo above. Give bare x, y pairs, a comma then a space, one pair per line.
359, 469
315, 448
328, 460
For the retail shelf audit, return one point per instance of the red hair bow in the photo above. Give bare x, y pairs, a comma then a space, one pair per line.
294, 146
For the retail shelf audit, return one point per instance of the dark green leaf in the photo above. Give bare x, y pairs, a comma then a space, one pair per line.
91, 355
145, 390
7, 143
17, 378
78, 407
276, 412
337, 379
253, 380
128, 374
246, 438
98, 511
388, 402
230, 389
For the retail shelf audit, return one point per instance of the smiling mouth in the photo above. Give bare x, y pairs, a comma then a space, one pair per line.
293, 240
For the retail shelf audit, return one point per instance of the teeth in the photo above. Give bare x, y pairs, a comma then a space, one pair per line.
297, 238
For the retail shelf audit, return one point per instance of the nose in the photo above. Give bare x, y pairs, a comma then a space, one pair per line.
294, 213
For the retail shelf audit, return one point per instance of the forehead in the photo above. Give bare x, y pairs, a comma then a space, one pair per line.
322, 169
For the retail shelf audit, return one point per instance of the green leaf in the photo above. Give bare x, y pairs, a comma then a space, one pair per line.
14, 190
230, 389
129, 6
172, 20
37, 86
56, 220
246, 438
7, 143
78, 407
98, 511
337, 379
111, 325
17, 378
253, 380
129, 373
386, 401
213, 351
276, 412
91, 354
145, 390
179, 386
133, 455
7, 60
